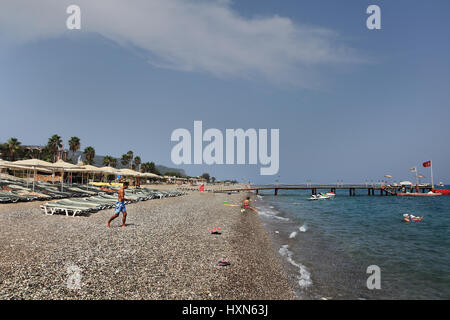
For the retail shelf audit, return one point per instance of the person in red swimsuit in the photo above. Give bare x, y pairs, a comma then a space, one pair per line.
246, 205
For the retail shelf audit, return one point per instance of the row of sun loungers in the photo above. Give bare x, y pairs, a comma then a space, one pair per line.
74, 199
77, 206
15, 191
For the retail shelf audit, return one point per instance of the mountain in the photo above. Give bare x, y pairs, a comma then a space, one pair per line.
98, 161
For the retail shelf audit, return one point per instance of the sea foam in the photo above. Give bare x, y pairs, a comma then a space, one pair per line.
304, 277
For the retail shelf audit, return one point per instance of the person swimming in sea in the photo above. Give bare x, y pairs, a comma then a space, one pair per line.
410, 218
246, 205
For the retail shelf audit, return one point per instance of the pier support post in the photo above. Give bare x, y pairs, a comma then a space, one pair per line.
368, 192
373, 191
257, 191
276, 191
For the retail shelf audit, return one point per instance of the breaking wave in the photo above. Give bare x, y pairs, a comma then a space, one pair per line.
304, 277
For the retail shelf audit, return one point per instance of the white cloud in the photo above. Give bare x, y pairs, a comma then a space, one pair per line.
200, 36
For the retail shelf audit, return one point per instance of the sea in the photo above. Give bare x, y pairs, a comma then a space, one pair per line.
332, 249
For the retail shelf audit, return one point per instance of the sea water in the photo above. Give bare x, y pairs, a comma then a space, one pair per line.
327, 245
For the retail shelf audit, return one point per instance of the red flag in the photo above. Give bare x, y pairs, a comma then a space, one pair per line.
427, 164
202, 188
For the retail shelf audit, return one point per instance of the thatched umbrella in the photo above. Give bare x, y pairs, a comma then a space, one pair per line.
36, 164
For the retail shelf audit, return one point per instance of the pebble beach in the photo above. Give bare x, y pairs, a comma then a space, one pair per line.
166, 252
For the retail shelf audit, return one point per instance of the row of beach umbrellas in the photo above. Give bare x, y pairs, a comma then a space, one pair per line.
35, 165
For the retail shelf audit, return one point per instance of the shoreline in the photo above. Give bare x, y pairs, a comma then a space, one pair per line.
167, 252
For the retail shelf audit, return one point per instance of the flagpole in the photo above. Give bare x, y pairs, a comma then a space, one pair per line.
432, 182
417, 179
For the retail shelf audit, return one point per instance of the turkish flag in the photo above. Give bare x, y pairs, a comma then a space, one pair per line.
427, 164
202, 188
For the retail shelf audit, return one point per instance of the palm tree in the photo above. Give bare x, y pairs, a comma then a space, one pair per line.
130, 158
54, 143
13, 147
205, 176
145, 167
89, 153
124, 160
108, 160
137, 162
74, 146
113, 162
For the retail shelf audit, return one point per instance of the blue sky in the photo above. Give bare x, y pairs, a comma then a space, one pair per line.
350, 103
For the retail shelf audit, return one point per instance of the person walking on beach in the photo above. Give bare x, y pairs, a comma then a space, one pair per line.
246, 205
120, 206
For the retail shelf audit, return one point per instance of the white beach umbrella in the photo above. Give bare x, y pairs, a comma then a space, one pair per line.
129, 172
36, 164
66, 167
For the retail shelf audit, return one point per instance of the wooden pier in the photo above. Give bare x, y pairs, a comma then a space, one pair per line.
371, 190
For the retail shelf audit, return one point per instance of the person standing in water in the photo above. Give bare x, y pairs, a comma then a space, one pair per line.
246, 205
120, 206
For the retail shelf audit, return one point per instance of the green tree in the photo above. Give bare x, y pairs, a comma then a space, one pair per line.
54, 143
130, 158
150, 167
206, 176
137, 162
144, 167
89, 153
74, 146
12, 148
124, 160
213, 179
113, 163
173, 174
108, 161
46, 154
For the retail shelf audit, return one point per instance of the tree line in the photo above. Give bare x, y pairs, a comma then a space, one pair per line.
13, 149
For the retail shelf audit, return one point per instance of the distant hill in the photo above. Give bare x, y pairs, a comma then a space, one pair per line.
98, 161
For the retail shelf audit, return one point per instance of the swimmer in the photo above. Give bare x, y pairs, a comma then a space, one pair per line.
410, 217
246, 205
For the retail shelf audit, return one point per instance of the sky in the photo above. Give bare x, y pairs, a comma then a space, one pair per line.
350, 103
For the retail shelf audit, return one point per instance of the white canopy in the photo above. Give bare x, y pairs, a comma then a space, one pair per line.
66, 165
109, 170
129, 172
151, 175
93, 169
406, 183
36, 163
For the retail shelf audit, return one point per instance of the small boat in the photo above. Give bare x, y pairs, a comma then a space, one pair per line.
418, 194
319, 197
441, 184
